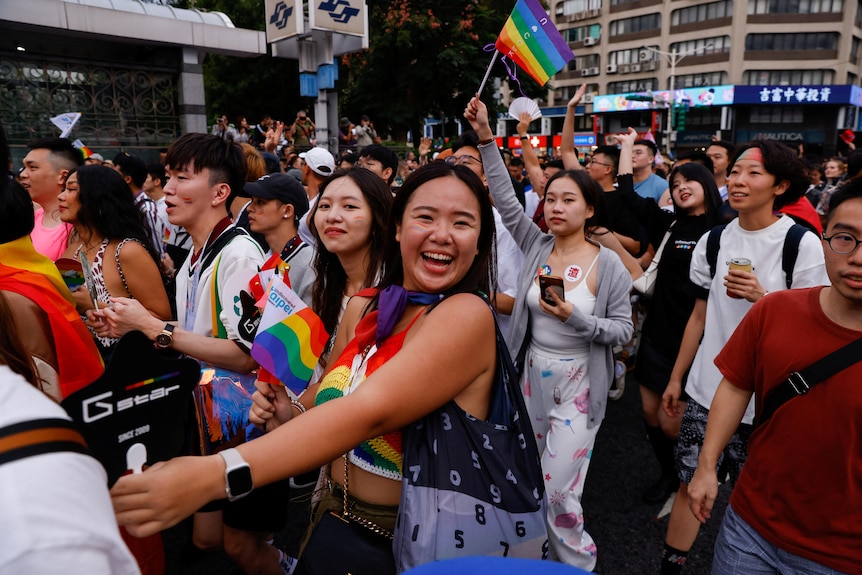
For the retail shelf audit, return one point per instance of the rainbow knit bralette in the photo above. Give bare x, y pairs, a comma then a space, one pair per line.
380, 455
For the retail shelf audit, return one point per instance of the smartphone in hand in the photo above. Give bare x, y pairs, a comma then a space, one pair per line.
551, 282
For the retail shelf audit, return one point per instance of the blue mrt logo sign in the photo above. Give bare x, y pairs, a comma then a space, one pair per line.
339, 10
280, 15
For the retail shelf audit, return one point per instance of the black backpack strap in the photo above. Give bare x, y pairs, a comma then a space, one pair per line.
800, 382
791, 251
712, 244
217, 246
39, 436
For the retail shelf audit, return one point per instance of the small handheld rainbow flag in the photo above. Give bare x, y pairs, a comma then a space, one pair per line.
290, 337
531, 40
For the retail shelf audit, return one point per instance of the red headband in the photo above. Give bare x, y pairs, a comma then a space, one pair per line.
753, 154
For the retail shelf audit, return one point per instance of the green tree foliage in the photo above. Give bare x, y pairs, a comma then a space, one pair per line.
249, 87
425, 58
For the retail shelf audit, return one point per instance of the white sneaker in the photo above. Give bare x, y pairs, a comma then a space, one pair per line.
618, 386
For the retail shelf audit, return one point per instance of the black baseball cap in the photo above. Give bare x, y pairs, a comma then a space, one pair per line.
280, 187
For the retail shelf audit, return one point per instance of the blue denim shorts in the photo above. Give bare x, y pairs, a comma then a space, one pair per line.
740, 549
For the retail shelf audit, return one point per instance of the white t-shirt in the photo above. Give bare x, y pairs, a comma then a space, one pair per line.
509, 262
54, 507
531, 202
764, 248
237, 263
304, 230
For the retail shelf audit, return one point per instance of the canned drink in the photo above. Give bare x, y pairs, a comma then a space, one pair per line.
742, 264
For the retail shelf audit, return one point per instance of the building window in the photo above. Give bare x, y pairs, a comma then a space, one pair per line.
711, 11
578, 6
585, 61
715, 45
788, 77
776, 115
632, 56
697, 80
636, 24
633, 86
794, 6
565, 93
793, 41
581, 32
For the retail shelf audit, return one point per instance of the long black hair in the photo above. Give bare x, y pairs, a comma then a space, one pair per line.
699, 173
330, 278
482, 275
107, 206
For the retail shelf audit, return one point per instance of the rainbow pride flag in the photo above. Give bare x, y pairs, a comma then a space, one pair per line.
290, 337
531, 40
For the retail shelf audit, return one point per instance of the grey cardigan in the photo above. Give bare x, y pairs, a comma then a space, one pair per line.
611, 323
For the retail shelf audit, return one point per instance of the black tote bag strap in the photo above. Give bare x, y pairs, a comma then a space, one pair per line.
800, 382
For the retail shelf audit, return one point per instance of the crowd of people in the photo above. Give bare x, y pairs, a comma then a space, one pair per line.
417, 258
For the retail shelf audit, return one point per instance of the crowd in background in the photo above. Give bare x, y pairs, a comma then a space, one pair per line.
248, 192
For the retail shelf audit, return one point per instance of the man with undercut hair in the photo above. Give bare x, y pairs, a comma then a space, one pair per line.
46, 167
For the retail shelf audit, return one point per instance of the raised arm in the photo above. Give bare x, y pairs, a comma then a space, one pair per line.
531, 160
522, 228
567, 145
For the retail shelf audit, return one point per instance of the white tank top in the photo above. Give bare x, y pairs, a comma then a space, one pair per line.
551, 335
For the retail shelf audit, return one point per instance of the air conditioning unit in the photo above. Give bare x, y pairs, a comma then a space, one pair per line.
580, 15
595, 71
649, 65
595, 13
590, 41
588, 98
625, 68
611, 69
585, 72
636, 67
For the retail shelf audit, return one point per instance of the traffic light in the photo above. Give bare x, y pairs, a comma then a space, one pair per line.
679, 122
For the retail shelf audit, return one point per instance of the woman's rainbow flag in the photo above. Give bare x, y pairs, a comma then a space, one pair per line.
531, 40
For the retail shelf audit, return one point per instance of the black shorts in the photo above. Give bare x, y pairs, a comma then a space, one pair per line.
653, 369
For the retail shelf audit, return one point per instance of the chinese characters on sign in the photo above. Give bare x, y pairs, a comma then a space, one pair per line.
791, 95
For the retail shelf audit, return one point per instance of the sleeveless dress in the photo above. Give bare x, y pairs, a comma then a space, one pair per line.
102, 294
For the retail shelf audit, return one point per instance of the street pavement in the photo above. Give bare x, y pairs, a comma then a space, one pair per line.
629, 534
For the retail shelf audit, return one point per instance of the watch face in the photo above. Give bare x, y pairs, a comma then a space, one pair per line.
239, 481
163, 340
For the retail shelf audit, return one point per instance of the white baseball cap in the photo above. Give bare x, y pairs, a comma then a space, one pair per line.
320, 161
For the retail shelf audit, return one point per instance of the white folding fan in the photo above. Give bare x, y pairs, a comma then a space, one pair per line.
523, 104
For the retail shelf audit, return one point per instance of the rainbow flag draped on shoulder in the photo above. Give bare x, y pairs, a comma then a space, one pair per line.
531, 40
290, 337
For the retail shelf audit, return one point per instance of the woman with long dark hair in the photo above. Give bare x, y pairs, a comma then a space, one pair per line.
562, 340
113, 240
439, 242
349, 222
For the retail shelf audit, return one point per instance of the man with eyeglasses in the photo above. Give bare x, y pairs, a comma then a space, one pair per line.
797, 507
764, 176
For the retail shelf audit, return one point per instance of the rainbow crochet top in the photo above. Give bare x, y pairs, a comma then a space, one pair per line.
380, 455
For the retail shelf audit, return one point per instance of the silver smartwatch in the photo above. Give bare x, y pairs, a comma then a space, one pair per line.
237, 475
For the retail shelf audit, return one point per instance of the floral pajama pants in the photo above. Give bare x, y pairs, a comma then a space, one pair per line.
557, 394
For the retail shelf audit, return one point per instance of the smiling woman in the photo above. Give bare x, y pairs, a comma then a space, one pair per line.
439, 240
562, 344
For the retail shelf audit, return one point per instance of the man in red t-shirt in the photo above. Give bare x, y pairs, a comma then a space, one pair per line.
797, 507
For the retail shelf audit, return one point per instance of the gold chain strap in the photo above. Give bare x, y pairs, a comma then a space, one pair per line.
346, 512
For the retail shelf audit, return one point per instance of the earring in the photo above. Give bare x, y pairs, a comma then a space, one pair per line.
284, 217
